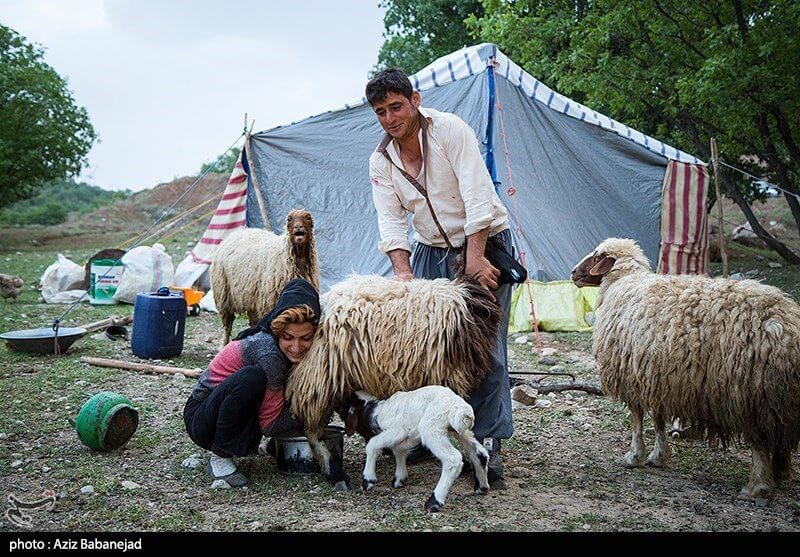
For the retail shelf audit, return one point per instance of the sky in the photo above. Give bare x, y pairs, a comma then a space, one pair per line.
167, 83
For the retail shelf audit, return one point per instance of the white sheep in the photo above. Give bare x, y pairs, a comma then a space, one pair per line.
427, 415
252, 266
721, 355
383, 336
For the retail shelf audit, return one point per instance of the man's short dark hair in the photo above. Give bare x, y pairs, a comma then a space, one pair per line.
385, 82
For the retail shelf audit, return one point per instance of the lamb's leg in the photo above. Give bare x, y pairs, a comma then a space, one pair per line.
635, 456
374, 448
450, 457
479, 457
782, 465
331, 467
660, 454
400, 470
761, 481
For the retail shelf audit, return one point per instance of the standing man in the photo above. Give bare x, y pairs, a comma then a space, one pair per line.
440, 151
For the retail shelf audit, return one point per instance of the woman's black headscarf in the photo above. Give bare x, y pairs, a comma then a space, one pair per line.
297, 292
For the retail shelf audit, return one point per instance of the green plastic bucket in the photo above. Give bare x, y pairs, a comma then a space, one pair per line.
106, 421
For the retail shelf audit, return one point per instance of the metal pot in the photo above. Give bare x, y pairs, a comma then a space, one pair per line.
42, 341
296, 458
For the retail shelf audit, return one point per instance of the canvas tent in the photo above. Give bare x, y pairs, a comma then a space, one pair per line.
569, 176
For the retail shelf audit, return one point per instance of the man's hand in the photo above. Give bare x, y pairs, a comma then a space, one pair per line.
401, 264
481, 270
404, 276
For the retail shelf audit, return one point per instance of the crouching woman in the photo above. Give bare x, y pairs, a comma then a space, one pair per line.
240, 396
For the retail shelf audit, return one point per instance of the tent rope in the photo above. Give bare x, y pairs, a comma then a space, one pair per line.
785, 192
511, 191
57, 321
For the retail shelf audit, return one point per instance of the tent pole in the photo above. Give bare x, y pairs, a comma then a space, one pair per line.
721, 232
262, 204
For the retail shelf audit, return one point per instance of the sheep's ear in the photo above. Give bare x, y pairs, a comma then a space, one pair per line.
351, 421
602, 267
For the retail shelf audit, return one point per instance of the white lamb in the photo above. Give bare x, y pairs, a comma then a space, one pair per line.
428, 415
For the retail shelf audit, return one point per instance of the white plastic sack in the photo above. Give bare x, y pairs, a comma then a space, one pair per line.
146, 270
207, 302
61, 281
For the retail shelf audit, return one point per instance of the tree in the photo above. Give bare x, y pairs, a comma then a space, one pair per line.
44, 135
679, 70
223, 163
419, 31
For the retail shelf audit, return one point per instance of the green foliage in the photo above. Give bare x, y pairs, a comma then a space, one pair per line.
678, 70
44, 135
419, 31
224, 163
55, 201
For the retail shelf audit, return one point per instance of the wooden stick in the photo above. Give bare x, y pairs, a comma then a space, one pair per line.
147, 368
111, 321
262, 205
721, 232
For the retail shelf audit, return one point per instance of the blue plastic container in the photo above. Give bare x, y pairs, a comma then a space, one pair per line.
159, 319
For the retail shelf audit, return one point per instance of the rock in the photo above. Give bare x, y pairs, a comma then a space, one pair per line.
543, 403
178, 377
475, 528
87, 490
520, 472
3, 436
547, 361
549, 351
523, 339
762, 503
752, 273
255, 525
17, 464
46, 469
192, 461
127, 484
557, 369
586, 527
774, 265
586, 426
524, 394
737, 276
220, 484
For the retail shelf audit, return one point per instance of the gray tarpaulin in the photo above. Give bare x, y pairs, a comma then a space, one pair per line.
579, 176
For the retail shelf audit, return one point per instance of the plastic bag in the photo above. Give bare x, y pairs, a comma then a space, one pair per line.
62, 282
146, 270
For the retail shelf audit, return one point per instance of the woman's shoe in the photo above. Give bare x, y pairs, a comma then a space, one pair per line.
235, 479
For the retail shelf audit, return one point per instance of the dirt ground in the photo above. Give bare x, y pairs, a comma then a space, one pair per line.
562, 465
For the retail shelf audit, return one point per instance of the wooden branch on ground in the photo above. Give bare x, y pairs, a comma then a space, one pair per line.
146, 368
591, 388
111, 321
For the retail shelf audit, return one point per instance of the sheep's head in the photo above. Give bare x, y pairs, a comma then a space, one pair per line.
592, 268
300, 226
356, 413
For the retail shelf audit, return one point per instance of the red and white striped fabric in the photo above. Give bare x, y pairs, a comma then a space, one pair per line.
230, 215
684, 220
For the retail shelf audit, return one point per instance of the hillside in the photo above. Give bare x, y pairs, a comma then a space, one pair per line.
122, 220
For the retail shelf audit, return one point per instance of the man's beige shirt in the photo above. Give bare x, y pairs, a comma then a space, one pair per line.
456, 179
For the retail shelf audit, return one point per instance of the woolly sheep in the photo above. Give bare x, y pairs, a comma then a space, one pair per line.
383, 336
719, 354
252, 266
428, 415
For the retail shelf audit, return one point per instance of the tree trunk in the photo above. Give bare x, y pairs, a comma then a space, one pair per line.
759, 230
776, 165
